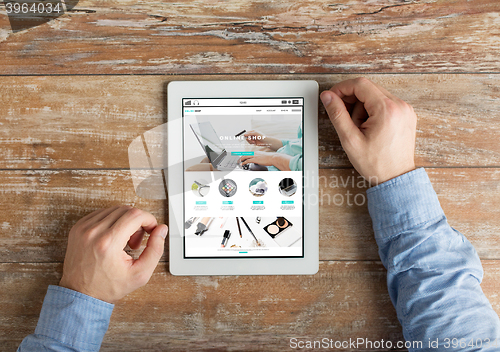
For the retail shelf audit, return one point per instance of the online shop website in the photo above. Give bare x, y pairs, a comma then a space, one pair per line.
243, 177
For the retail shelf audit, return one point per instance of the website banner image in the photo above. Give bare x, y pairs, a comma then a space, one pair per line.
243, 179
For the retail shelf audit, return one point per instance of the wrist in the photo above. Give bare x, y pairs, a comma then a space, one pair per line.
277, 143
281, 161
64, 283
81, 289
382, 177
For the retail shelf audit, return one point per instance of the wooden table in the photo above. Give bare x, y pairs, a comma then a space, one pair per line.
76, 91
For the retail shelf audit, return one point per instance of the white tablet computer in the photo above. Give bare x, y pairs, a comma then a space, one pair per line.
242, 177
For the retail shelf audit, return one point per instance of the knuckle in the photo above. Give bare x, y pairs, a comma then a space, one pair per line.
404, 104
91, 231
410, 108
79, 223
391, 108
335, 114
134, 212
103, 244
361, 80
158, 250
76, 227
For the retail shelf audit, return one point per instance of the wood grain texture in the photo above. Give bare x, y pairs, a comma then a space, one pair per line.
64, 140
258, 36
89, 122
39, 208
344, 300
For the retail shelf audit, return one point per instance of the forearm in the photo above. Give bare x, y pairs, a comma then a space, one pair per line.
69, 321
273, 143
281, 161
434, 273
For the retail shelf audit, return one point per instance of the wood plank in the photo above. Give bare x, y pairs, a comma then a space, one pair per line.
67, 122
344, 300
39, 208
258, 36
468, 197
88, 122
182, 313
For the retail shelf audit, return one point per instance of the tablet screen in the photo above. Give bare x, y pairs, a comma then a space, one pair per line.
243, 177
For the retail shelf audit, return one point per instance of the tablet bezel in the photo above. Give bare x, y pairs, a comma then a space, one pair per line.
309, 263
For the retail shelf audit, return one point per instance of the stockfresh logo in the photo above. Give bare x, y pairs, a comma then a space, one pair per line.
31, 13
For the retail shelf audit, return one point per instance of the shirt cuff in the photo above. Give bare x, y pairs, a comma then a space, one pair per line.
74, 319
402, 203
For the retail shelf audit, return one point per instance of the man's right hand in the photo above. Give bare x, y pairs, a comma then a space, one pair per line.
376, 129
96, 263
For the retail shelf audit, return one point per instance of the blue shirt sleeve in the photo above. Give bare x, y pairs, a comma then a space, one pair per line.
69, 321
433, 271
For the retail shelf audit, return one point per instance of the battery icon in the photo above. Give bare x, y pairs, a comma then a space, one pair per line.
295, 101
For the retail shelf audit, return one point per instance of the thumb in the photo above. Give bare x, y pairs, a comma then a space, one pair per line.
151, 255
339, 115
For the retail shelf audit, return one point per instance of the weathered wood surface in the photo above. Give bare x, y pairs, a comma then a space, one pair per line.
40, 206
258, 313
64, 140
88, 122
258, 36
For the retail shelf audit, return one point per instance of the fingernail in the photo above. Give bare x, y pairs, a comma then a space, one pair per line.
163, 231
325, 99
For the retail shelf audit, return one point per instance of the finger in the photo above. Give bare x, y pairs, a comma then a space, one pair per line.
130, 222
91, 215
95, 217
359, 114
386, 92
136, 239
98, 216
349, 101
339, 116
250, 140
149, 258
364, 90
109, 220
